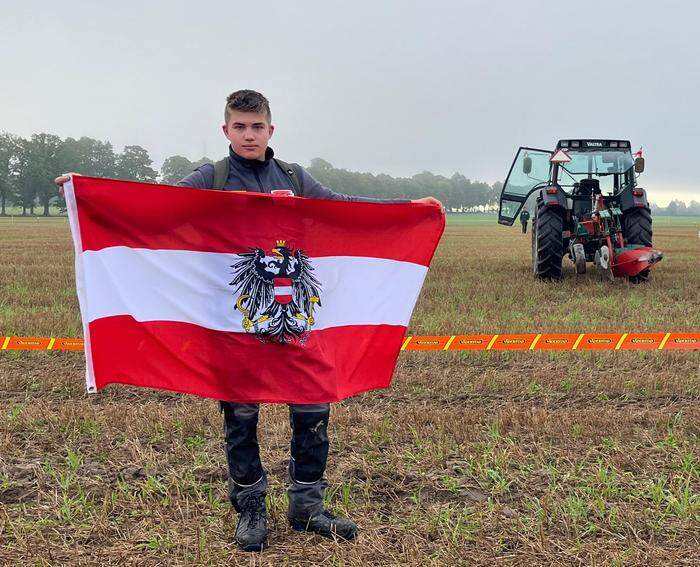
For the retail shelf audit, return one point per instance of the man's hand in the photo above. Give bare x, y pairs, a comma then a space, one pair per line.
429, 201
61, 179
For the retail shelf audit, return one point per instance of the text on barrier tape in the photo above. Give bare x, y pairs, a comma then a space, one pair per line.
562, 341
528, 341
40, 343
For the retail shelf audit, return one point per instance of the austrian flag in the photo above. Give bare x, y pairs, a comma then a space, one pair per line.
244, 297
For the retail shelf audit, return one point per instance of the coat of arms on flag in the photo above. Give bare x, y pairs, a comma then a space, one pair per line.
276, 294
242, 296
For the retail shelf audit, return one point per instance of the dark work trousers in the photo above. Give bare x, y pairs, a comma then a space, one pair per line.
309, 453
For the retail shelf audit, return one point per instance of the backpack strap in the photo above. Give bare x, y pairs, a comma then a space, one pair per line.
293, 171
221, 169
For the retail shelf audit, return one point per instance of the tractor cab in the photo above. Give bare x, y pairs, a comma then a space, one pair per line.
577, 169
583, 196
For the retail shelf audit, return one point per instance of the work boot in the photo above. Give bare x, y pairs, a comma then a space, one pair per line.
326, 524
251, 531
306, 511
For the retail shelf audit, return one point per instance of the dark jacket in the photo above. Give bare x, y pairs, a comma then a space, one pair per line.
265, 176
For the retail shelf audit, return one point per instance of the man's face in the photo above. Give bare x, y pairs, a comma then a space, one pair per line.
248, 133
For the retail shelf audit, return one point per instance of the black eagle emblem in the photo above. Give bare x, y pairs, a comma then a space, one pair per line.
276, 294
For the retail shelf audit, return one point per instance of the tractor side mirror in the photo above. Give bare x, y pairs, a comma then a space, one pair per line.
527, 165
638, 165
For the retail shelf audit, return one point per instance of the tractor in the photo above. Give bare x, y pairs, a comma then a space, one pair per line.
587, 205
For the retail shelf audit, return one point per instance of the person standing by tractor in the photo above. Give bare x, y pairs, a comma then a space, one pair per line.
524, 217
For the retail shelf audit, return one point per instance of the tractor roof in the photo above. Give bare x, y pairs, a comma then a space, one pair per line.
579, 144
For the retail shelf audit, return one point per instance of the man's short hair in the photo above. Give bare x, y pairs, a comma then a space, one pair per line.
247, 101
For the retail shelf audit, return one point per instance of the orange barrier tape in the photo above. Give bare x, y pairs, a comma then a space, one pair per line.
40, 343
527, 341
558, 341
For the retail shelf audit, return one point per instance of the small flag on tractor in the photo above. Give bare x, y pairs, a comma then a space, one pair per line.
560, 156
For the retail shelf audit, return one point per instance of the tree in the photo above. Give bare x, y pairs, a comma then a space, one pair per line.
37, 165
175, 168
319, 164
496, 189
693, 208
9, 148
676, 208
134, 164
86, 156
89, 157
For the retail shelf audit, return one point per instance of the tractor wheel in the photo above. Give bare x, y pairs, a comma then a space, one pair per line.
636, 227
547, 243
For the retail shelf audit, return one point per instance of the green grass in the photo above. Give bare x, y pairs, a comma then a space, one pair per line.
666, 220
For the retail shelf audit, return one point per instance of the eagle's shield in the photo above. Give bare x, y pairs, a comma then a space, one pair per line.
283, 290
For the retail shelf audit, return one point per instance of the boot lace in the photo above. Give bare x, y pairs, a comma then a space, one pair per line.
253, 507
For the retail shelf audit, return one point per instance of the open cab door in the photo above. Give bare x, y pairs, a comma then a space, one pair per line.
530, 171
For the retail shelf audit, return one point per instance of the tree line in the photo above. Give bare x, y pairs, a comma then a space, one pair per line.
677, 208
28, 167
457, 193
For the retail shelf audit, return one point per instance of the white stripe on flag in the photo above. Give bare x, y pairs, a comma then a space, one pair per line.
193, 287
285, 290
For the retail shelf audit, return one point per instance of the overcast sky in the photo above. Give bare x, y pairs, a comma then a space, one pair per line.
397, 86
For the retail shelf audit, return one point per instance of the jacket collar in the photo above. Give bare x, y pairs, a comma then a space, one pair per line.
251, 163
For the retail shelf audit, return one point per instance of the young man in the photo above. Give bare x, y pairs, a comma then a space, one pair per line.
251, 166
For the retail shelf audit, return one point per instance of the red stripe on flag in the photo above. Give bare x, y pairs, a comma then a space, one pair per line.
177, 218
333, 364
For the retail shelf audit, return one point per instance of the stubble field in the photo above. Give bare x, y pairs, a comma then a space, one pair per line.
468, 459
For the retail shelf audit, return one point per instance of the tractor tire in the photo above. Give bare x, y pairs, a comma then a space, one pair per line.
547, 243
636, 228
